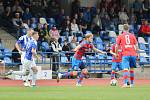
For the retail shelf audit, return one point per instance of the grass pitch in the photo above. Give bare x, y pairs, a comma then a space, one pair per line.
75, 93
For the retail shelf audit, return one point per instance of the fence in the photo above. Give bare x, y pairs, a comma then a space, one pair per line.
57, 61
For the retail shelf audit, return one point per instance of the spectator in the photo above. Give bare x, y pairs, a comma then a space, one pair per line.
54, 33
137, 6
96, 23
17, 21
123, 17
26, 3
75, 6
33, 23
66, 28
27, 16
6, 16
53, 10
17, 6
82, 23
16, 57
87, 16
146, 7
61, 17
66, 48
144, 29
113, 16
75, 29
73, 43
56, 48
46, 33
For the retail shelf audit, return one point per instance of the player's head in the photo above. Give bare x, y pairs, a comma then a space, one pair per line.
35, 35
126, 27
30, 31
89, 37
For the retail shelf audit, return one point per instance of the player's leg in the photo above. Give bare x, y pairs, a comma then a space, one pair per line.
74, 70
23, 72
34, 73
84, 72
113, 70
132, 66
125, 65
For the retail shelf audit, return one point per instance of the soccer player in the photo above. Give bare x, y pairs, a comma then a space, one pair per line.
116, 61
22, 42
29, 65
21, 47
78, 68
129, 46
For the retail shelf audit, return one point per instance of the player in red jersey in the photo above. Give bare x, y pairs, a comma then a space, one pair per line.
78, 68
129, 46
116, 61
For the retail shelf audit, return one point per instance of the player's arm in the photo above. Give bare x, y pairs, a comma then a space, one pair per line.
77, 48
99, 51
18, 47
113, 53
118, 40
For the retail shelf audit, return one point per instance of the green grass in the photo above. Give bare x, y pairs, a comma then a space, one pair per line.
75, 93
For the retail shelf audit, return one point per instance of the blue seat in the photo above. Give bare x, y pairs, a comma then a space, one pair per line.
79, 38
8, 61
45, 46
51, 21
112, 39
33, 25
142, 46
23, 31
1, 55
1, 46
100, 46
7, 53
98, 40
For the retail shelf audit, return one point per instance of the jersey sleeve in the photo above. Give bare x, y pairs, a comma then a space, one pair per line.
34, 46
82, 43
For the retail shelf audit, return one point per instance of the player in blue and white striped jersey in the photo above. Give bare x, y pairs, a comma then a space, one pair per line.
22, 42
29, 66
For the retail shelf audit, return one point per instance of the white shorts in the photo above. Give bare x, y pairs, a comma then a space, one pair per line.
28, 64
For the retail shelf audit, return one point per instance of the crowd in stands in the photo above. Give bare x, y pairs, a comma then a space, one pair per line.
53, 24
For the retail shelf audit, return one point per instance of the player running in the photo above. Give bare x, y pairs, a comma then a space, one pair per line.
21, 47
29, 65
129, 46
78, 68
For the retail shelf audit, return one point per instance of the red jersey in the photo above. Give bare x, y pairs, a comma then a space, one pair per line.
144, 29
85, 47
119, 58
128, 43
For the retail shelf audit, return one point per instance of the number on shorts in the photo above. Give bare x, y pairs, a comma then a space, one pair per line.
127, 39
